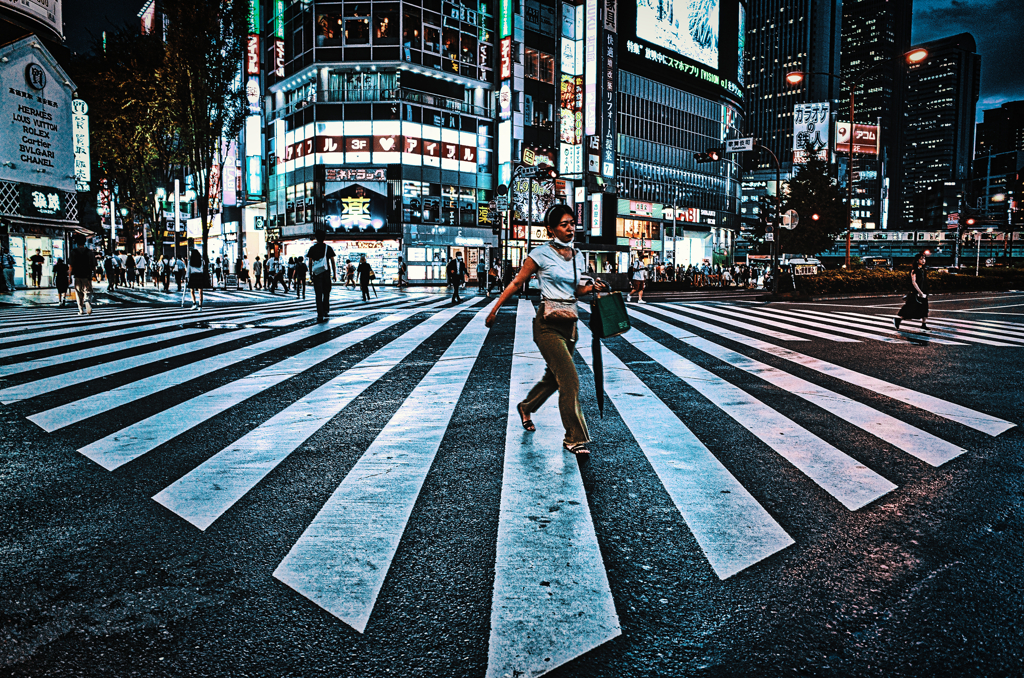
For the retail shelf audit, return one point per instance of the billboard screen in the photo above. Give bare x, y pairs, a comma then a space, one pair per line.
695, 45
686, 27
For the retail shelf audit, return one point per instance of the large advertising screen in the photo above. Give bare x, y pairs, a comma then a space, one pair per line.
686, 27
695, 45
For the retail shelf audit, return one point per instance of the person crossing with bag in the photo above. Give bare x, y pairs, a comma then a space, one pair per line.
323, 269
557, 265
196, 278
916, 306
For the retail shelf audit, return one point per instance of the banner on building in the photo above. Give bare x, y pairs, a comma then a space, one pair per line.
810, 131
865, 138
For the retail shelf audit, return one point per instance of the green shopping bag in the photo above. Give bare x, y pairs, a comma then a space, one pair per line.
608, 317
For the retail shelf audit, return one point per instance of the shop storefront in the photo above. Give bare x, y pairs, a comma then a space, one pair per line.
428, 248
38, 200
381, 255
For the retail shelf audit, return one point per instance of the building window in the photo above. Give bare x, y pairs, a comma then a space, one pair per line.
329, 30
357, 31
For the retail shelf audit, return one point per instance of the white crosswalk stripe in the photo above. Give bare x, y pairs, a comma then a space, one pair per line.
551, 599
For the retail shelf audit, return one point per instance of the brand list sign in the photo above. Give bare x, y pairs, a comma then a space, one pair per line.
36, 144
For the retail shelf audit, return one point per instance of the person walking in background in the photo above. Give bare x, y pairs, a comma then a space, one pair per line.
481, 275
323, 270
299, 276
403, 271
243, 273
557, 265
83, 262
37, 268
456, 276
638, 283
290, 273
179, 271
196, 278
110, 272
7, 267
129, 270
166, 266
916, 306
350, 275
60, 280
365, 276
257, 272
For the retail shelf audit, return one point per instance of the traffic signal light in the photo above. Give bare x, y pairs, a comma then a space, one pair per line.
548, 173
710, 155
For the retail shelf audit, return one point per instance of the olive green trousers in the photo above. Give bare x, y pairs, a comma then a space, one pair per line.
557, 342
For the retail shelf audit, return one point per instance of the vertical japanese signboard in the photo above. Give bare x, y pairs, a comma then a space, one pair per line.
505, 93
810, 130
609, 108
80, 138
590, 103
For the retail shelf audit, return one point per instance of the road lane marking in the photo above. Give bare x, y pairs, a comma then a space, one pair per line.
205, 493
94, 352
745, 315
801, 319
942, 408
692, 310
90, 406
132, 442
343, 557
730, 526
551, 601
845, 478
887, 327
910, 439
34, 389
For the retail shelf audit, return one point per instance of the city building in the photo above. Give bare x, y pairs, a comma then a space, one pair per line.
998, 174
1001, 130
875, 36
781, 39
380, 115
940, 95
680, 91
38, 189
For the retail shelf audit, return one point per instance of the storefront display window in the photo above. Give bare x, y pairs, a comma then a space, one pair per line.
637, 228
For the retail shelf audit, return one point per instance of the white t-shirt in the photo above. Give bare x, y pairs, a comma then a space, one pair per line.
556, 272
640, 274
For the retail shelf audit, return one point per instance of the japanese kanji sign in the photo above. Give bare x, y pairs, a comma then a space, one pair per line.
810, 126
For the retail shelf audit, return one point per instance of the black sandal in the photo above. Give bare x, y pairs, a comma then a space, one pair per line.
578, 448
526, 421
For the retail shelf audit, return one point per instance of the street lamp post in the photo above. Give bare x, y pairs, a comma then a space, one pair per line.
796, 77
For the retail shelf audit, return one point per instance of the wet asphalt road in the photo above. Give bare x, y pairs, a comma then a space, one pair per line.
100, 580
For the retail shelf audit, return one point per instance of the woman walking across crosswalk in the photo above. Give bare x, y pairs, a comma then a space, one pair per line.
916, 306
558, 266
196, 278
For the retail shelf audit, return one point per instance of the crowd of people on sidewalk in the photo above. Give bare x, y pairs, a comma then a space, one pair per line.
702, 275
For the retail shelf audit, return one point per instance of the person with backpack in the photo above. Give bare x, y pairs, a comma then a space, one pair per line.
323, 270
196, 278
82, 263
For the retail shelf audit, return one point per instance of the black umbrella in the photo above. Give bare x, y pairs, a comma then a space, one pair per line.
598, 360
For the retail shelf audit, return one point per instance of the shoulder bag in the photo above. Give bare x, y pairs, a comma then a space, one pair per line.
562, 309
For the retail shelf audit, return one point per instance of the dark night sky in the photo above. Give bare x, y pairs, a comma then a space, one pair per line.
995, 24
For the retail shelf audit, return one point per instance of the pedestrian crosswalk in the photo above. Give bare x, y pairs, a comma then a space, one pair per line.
801, 324
146, 379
